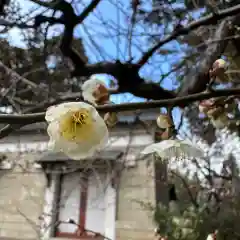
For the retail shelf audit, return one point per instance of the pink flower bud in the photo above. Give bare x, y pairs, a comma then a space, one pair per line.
101, 94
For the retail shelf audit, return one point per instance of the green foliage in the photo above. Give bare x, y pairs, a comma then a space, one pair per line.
195, 223
186, 221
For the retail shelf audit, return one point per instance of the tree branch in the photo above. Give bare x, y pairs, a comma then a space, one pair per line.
6, 23
71, 20
125, 73
198, 79
39, 117
87, 10
16, 76
53, 4
210, 19
9, 128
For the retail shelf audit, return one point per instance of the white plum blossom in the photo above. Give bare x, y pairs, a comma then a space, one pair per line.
173, 149
76, 129
95, 91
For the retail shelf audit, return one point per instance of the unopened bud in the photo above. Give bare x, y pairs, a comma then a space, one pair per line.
206, 105
220, 63
111, 119
164, 121
218, 70
101, 94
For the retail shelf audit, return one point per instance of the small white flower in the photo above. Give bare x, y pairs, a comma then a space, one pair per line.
76, 129
173, 148
94, 91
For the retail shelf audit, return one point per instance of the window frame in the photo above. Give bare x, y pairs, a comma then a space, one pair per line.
81, 232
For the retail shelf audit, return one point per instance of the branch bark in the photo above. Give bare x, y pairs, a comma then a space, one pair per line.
127, 74
198, 79
210, 19
40, 117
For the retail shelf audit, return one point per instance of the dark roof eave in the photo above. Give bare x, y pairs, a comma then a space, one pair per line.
54, 158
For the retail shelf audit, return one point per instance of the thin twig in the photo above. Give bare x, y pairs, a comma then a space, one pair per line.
185, 30
39, 117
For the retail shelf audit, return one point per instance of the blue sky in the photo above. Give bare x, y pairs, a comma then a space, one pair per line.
105, 22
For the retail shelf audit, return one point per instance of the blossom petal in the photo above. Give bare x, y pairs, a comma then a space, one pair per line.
158, 147
56, 142
173, 148
90, 84
56, 112
76, 150
89, 148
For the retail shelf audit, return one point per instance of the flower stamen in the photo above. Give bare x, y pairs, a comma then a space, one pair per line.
80, 118
76, 129
77, 125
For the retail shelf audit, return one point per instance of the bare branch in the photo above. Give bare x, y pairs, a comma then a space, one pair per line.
39, 117
53, 4
133, 83
6, 23
197, 80
15, 75
210, 19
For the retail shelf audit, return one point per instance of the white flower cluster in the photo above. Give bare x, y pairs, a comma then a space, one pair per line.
173, 149
76, 128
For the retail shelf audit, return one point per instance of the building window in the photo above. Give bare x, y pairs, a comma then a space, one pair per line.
82, 209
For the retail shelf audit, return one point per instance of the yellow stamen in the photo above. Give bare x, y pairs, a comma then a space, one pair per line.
76, 125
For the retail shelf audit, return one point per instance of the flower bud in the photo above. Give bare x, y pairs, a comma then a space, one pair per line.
206, 105
220, 63
164, 121
218, 70
110, 119
95, 91
101, 94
